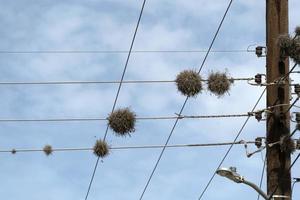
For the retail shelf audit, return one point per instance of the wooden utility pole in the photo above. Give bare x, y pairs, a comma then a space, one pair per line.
278, 123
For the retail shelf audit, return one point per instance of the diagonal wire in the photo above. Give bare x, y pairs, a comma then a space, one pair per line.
118, 92
229, 149
290, 71
262, 176
292, 105
184, 104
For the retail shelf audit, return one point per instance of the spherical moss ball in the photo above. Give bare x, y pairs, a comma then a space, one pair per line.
294, 50
287, 144
122, 121
296, 59
284, 42
47, 150
297, 31
219, 83
101, 149
189, 83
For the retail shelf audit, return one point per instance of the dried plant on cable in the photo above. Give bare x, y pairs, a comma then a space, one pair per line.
285, 43
101, 148
219, 83
48, 150
295, 50
13, 151
189, 83
290, 46
122, 121
287, 144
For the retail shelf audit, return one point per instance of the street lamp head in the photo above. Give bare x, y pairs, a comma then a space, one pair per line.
230, 173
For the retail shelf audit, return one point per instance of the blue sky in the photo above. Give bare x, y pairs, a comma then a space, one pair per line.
109, 25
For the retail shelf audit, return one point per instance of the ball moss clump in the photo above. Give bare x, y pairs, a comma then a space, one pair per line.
287, 144
101, 148
219, 83
13, 151
294, 51
122, 121
285, 43
189, 83
48, 150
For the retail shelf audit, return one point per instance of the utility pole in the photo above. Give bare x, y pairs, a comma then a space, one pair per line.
278, 123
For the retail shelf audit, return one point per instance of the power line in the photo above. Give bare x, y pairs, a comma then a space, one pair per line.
229, 149
183, 106
138, 118
118, 92
131, 147
100, 82
81, 82
116, 51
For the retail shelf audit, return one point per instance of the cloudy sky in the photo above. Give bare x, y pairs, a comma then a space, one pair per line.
34, 25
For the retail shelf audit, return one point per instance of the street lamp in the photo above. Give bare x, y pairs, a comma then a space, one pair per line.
231, 174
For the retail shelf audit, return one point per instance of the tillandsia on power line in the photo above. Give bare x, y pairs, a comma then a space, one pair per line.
122, 121
287, 144
101, 148
189, 83
48, 150
290, 46
219, 83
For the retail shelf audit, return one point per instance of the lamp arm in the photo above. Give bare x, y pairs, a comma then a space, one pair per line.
255, 187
